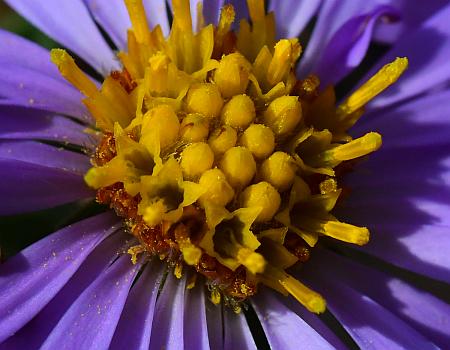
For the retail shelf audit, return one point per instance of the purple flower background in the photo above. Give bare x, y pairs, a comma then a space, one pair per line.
72, 290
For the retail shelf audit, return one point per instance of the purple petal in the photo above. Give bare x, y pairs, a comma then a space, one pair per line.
419, 309
237, 334
211, 11
135, 324
413, 14
285, 329
215, 325
37, 176
407, 207
37, 330
424, 121
313, 320
195, 324
167, 330
91, 320
370, 324
15, 50
241, 10
29, 187
32, 278
348, 46
332, 15
112, 15
428, 67
293, 16
69, 23
156, 11
44, 155
28, 78
22, 86
21, 123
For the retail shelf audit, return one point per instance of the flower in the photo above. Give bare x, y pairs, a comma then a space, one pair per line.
77, 288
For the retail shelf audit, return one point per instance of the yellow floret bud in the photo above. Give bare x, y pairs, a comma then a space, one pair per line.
262, 195
278, 170
218, 191
222, 139
204, 98
239, 166
239, 112
196, 159
259, 139
232, 75
161, 122
194, 128
283, 114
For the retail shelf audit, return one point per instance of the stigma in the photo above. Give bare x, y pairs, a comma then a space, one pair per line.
217, 158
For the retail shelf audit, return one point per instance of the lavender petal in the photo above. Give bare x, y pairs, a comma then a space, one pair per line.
91, 320
237, 334
167, 329
135, 324
293, 16
34, 333
32, 278
284, 328
348, 46
428, 68
69, 23
26, 124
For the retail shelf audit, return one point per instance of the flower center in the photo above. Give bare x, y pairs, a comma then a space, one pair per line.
218, 159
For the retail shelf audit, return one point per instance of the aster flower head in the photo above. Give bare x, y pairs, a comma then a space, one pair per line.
222, 160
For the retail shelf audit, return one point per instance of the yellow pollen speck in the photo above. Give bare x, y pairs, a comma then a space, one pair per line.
215, 297
135, 251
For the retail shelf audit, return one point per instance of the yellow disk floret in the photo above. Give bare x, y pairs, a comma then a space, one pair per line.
232, 75
194, 128
196, 159
279, 170
259, 139
218, 191
222, 139
262, 195
283, 115
239, 112
160, 123
239, 166
204, 98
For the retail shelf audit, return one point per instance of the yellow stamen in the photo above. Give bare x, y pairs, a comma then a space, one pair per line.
346, 232
310, 299
254, 262
215, 297
285, 55
327, 186
135, 251
191, 253
138, 19
384, 78
354, 149
226, 19
72, 73
178, 271
192, 281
